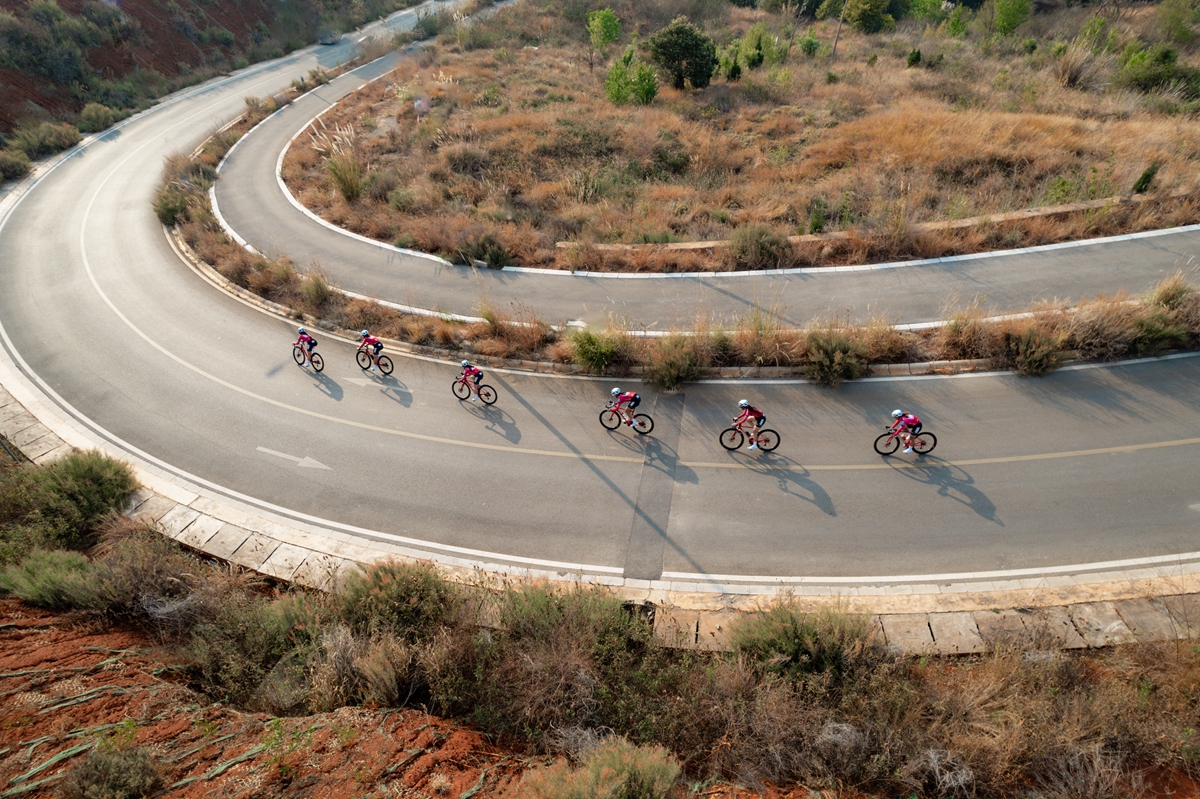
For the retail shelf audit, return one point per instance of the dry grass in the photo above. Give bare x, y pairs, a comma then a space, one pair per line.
520, 143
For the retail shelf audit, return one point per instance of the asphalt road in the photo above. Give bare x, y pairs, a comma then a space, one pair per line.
97, 308
253, 203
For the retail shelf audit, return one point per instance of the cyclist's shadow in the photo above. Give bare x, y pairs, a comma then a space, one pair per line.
394, 390
498, 421
791, 475
951, 481
328, 386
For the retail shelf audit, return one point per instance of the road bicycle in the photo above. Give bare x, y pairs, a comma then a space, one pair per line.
462, 390
922, 442
318, 363
611, 418
364, 362
733, 437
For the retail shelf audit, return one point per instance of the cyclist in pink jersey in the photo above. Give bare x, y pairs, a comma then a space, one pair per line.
306, 343
908, 424
750, 412
374, 345
475, 376
625, 402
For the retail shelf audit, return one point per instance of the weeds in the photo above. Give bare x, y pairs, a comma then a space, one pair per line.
616, 768
674, 360
833, 358
114, 769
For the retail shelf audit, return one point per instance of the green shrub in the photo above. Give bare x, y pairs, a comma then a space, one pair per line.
1144, 181
791, 642
926, 10
616, 769
809, 44
110, 772
13, 164
346, 171
914, 58
1031, 352
410, 600
96, 117
684, 53
315, 290
597, 352
756, 247
731, 67
44, 139
1152, 69
401, 199
81, 489
869, 16
955, 26
230, 654
1175, 19
172, 204
630, 81
1155, 333
1010, 15
674, 360
833, 358
816, 216
51, 579
487, 248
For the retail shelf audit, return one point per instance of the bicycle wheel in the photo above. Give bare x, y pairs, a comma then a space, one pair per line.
460, 389
924, 442
886, 444
385, 364
731, 438
298, 355
487, 394
317, 361
364, 360
767, 440
642, 424
610, 418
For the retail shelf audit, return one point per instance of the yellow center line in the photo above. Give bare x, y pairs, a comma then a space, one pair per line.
1043, 456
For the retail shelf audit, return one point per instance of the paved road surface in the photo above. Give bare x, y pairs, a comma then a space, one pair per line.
96, 306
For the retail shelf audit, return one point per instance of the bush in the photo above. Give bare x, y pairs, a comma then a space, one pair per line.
486, 248
96, 117
1144, 181
914, 58
13, 164
597, 352
1010, 15
1032, 352
809, 44
833, 358
756, 247
630, 81
869, 16
110, 772
171, 204
347, 174
1155, 333
684, 53
791, 642
51, 579
674, 361
44, 139
409, 600
229, 655
1152, 69
615, 769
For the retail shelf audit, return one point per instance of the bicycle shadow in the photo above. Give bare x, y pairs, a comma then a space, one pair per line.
392, 388
497, 421
950, 481
664, 458
789, 475
327, 386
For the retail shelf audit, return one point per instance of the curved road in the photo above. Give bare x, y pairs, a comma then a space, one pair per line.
253, 203
1085, 465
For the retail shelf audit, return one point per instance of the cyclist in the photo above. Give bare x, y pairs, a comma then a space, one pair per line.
475, 375
749, 412
376, 345
624, 403
306, 343
908, 425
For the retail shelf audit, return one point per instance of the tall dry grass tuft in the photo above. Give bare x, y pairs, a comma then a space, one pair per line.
966, 334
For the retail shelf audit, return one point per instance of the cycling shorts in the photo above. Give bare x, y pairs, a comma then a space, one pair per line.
916, 428
310, 344
378, 345
478, 378
760, 421
633, 403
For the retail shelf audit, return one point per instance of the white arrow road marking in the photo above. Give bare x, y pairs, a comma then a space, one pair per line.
304, 463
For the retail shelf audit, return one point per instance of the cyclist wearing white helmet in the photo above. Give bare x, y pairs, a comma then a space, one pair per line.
908, 425
625, 402
306, 343
475, 375
749, 421
375, 345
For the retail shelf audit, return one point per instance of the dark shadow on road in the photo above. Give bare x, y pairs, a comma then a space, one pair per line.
789, 475
950, 481
394, 390
498, 421
327, 386
629, 501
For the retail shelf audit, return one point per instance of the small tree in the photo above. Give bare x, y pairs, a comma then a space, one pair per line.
684, 53
1009, 15
631, 81
603, 28
869, 16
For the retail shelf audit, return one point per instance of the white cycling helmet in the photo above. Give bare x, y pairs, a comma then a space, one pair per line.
615, 391
465, 364
743, 404
896, 414
300, 331
365, 334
